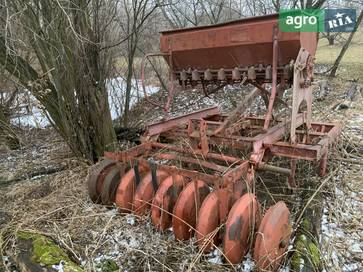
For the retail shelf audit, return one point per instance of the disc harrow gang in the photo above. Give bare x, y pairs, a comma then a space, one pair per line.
196, 172
192, 207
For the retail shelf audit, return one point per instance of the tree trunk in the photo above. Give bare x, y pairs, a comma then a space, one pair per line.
128, 90
130, 73
306, 256
345, 47
7, 134
69, 81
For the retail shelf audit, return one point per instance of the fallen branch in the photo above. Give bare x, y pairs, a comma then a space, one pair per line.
306, 255
39, 172
352, 161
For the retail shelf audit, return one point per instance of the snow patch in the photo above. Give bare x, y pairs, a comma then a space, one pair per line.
34, 116
215, 257
130, 219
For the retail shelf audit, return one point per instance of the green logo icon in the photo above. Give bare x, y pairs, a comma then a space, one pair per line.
301, 20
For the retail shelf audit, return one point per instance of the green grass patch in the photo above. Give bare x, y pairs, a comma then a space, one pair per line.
351, 65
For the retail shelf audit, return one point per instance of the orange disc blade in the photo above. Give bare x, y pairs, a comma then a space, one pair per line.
272, 237
186, 209
240, 227
164, 200
145, 192
212, 213
126, 190
109, 187
96, 177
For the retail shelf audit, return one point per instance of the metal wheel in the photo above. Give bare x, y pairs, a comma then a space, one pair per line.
126, 189
109, 187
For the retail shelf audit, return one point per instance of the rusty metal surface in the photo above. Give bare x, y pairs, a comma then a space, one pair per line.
130, 154
297, 151
240, 227
275, 56
186, 209
145, 192
96, 176
191, 174
202, 163
160, 127
272, 237
196, 153
228, 45
237, 173
301, 91
235, 44
125, 192
164, 201
212, 213
109, 187
269, 140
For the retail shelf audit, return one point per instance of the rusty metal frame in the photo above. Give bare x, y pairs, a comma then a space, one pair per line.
221, 169
274, 78
159, 127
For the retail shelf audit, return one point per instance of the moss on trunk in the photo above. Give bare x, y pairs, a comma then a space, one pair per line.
44, 252
307, 256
